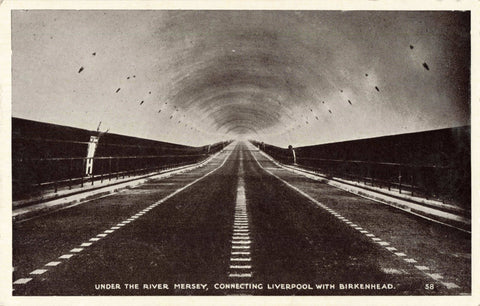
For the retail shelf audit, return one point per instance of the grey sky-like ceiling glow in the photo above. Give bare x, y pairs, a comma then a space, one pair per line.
283, 77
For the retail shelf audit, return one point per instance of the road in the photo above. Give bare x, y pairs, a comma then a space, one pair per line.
238, 225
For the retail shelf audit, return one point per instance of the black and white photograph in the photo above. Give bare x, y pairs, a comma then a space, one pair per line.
162, 152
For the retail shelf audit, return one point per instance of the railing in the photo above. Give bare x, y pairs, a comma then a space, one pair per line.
33, 173
443, 183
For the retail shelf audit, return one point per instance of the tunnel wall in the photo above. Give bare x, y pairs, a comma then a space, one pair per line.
434, 164
44, 153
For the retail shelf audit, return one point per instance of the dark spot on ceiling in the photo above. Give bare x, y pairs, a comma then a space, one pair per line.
80, 70
376, 88
117, 90
426, 66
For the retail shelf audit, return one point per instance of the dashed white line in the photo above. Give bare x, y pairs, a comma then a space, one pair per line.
240, 238
240, 242
240, 259
22, 281
39, 271
66, 256
240, 267
113, 228
240, 275
434, 276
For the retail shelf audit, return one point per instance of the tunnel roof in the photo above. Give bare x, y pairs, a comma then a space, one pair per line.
283, 77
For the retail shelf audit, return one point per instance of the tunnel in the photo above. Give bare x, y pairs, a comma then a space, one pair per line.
241, 152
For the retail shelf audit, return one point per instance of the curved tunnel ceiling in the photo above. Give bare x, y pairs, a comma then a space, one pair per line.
284, 77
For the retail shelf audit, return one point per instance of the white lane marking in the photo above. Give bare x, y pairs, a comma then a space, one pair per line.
376, 239
53, 263
240, 275
66, 256
240, 237
240, 267
22, 281
240, 259
39, 271
410, 260
104, 234
383, 243
450, 285
435, 276
241, 242
86, 244
392, 249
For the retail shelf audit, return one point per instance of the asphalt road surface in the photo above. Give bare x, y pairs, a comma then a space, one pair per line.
238, 225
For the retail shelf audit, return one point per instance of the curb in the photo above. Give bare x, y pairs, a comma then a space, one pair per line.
79, 197
419, 209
